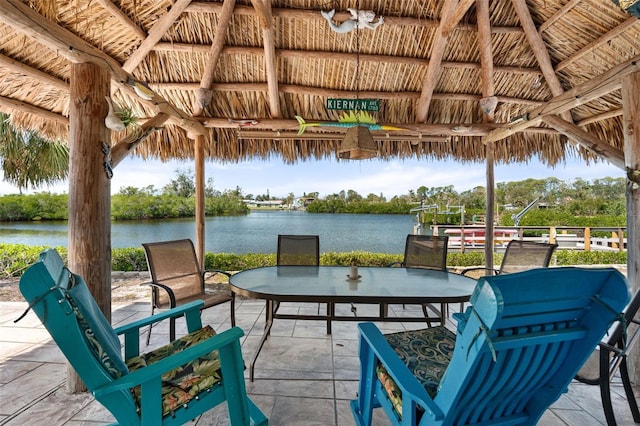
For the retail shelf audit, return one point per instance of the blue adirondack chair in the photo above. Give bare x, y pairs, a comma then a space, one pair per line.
170, 385
515, 351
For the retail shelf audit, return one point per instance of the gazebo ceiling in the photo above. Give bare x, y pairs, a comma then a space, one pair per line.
535, 77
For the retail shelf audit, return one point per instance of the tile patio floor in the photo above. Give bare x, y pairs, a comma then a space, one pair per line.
303, 376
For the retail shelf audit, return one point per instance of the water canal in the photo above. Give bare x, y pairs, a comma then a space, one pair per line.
256, 232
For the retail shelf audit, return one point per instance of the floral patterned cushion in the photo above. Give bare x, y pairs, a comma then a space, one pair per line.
426, 353
181, 385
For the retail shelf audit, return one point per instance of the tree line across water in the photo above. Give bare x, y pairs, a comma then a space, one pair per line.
599, 202
15, 258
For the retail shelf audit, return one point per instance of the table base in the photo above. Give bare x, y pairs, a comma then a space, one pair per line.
272, 307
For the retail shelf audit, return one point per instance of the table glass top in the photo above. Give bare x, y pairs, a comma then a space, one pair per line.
333, 281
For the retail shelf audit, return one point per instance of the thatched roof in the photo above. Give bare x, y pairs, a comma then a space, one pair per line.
544, 61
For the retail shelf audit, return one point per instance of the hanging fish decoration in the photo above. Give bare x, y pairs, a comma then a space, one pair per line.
350, 119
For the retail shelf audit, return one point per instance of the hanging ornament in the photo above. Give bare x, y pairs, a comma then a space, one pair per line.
112, 120
360, 19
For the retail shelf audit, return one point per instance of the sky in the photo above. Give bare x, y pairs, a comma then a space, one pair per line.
328, 177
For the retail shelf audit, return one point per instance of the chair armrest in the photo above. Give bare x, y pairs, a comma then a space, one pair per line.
155, 370
186, 309
411, 388
172, 295
461, 318
216, 271
489, 271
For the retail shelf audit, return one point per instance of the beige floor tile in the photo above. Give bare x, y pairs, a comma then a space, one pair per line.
48, 352
303, 412
293, 388
55, 409
12, 369
9, 349
29, 387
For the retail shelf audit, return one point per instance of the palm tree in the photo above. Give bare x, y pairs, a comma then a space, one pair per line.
30, 160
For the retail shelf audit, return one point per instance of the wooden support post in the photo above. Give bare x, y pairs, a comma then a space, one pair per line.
490, 211
587, 239
200, 213
631, 123
89, 188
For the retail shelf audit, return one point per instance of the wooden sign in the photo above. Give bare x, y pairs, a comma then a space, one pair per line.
353, 104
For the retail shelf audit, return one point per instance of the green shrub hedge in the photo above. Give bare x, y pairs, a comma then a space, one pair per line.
14, 258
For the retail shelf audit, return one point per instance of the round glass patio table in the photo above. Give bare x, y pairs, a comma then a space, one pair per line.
331, 285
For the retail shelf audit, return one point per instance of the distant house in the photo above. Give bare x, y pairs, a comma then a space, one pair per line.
269, 203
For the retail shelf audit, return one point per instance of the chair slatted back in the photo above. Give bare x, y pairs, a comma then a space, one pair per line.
174, 264
522, 255
298, 250
523, 340
426, 251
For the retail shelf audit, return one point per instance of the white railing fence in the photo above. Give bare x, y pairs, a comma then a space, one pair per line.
472, 237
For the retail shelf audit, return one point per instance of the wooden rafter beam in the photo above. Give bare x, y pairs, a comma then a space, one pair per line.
540, 51
599, 117
559, 14
155, 34
452, 12
412, 129
538, 47
26, 21
486, 56
334, 93
263, 7
214, 7
578, 136
454, 129
121, 149
391, 136
579, 95
122, 17
20, 68
605, 38
204, 94
32, 109
340, 56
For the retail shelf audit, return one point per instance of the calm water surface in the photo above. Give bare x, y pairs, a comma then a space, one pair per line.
257, 232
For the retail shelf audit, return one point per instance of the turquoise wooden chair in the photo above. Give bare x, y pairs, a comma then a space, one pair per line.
167, 386
516, 349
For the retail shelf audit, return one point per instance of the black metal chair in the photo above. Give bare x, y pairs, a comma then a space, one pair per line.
299, 250
610, 357
520, 256
425, 251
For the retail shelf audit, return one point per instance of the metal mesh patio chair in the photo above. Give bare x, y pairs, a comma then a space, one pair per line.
425, 251
519, 256
610, 357
299, 250
176, 279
